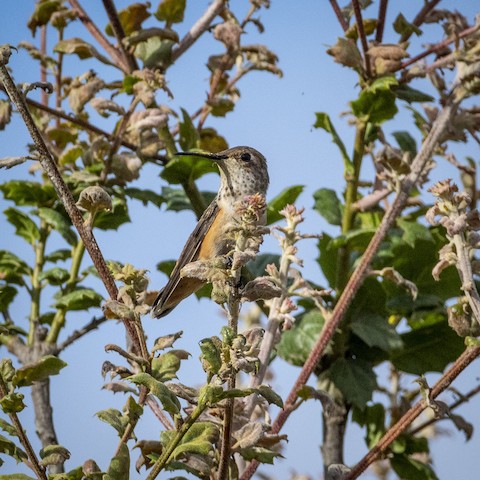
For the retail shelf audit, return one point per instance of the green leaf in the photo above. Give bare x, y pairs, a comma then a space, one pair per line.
8, 428
53, 454
55, 276
38, 371
161, 391
327, 259
188, 133
346, 52
198, 439
119, 468
79, 299
58, 255
131, 18
145, 196
10, 263
176, 199
414, 232
296, 343
171, 11
270, 396
114, 417
23, 192
406, 142
285, 197
408, 468
117, 216
355, 379
5, 113
404, 27
328, 205
428, 349
7, 294
12, 403
323, 121
155, 52
256, 267
41, 16
81, 48
376, 103
166, 366
410, 95
261, 454
25, 227
185, 169
376, 332
373, 418
9, 448
59, 223
16, 476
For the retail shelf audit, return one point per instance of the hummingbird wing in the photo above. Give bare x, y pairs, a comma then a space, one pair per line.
178, 288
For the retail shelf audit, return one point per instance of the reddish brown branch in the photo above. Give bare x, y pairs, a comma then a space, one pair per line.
462, 362
338, 12
420, 17
361, 34
382, 13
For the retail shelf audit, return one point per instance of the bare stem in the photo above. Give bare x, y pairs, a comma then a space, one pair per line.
338, 13
356, 280
34, 463
92, 325
382, 13
362, 35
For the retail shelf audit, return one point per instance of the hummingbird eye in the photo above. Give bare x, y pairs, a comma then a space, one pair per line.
246, 157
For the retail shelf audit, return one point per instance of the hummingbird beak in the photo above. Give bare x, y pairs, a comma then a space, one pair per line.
211, 156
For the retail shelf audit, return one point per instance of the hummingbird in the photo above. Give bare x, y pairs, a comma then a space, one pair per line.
243, 172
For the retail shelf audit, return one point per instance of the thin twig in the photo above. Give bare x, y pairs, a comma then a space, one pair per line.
420, 18
50, 168
423, 156
43, 68
116, 56
34, 463
92, 325
338, 12
362, 35
119, 33
382, 13
467, 357
158, 412
200, 27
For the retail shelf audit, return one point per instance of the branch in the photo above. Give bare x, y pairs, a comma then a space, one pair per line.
382, 13
423, 156
362, 36
200, 27
419, 19
338, 13
119, 33
92, 325
116, 56
50, 168
462, 362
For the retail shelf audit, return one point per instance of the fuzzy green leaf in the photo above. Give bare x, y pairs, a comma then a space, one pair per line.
58, 255
185, 169
59, 223
404, 27
355, 379
198, 439
286, 197
7, 294
9, 448
160, 390
119, 468
25, 227
23, 192
113, 417
410, 95
188, 133
328, 205
376, 332
55, 276
79, 299
270, 396
261, 454
131, 18
373, 418
113, 219
12, 403
408, 468
155, 52
171, 11
42, 13
16, 476
166, 366
10, 263
38, 371
145, 196
296, 343
406, 142
53, 454
81, 48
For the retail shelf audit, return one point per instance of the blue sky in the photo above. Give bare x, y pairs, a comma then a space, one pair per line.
276, 117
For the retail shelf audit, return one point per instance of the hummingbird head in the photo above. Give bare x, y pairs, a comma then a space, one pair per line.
243, 171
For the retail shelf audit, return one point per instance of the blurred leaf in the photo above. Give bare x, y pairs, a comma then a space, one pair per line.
166, 366
42, 13
428, 349
112, 220
375, 331
328, 205
131, 18
296, 343
119, 468
406, 142
188, 133
323, 121
376, 103
58, 255
8, 428
79, 299
369, 26
285, 197
270, 396
199, 439
53, 454
211, 141
70, 155
5, 113
167, 398
155, 52
7, 294
346, 52
185, 168
59, 223
145, 196
166, 266
81, 48
177, 200
219, 107
261, 454
38, 371
327, 258
410, 95
413, 232
113, 417
408, 468
55, 276
12, 403
355, 379
256, 267
373, 418
405, 28
171, 11
9, 448
24, 226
